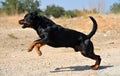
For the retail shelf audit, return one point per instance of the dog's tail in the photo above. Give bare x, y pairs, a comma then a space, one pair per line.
94, 27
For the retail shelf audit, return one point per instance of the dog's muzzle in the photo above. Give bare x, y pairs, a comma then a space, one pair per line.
24, 23
21, 22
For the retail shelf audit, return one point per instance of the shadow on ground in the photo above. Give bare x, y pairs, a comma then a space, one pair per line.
76, 68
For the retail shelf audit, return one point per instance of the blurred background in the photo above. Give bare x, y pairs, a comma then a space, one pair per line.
60, 8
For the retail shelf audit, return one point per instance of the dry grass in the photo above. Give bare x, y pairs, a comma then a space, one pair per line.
105, 22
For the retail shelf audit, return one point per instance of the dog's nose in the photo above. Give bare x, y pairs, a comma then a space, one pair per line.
20, 21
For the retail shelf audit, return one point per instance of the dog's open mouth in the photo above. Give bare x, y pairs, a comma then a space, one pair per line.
24, 23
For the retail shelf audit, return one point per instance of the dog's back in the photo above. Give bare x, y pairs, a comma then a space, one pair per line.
64, 37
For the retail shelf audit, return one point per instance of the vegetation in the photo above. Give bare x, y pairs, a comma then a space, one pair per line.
55, 11
70, 14
12, 7
115, 8
76, 13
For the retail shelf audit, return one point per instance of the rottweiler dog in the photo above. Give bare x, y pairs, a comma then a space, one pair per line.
55, 35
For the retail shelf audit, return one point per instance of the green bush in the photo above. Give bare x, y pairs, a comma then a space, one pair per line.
70, 14
115, 8
55, 11
12, 7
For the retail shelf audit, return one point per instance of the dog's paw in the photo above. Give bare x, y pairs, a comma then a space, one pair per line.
95, 67
30, 49
39, 53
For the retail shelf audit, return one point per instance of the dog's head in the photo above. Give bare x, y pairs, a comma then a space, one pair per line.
30, 20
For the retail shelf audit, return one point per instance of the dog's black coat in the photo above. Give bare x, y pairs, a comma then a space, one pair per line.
57, 36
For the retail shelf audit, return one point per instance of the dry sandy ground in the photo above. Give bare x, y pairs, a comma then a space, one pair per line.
16, 61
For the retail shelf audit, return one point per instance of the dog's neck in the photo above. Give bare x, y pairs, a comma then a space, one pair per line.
43, 22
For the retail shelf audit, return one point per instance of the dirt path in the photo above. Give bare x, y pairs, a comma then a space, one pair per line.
16, 61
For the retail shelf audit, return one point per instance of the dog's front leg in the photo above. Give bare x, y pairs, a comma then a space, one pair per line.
37, 46
33, 44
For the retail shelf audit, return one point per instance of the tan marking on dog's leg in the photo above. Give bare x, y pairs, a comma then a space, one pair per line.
96, 58
96, 66
37, 48
31, 46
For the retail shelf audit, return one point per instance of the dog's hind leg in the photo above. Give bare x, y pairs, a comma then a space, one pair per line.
88, 51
